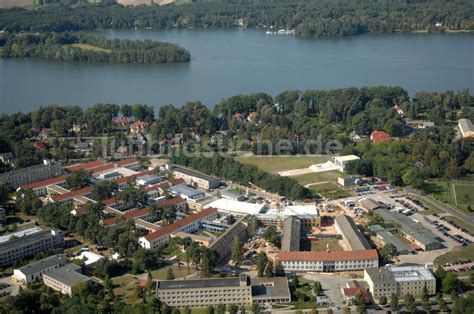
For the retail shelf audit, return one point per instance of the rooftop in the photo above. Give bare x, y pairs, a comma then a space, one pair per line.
347, 158
18, 234
193, 173
199, 283
291, 234
42, 264
60, 197
87, 165
466, 125
328, 256
183, 189
275, 287
68, 275
352, 234
229, 205
180, 223
38, 184
32, 237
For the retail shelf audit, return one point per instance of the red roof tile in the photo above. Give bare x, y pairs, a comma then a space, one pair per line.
87, 165
181, 223
125, 162
60, 197
102, 168
328, 256
47, 182
379, 136
352, 292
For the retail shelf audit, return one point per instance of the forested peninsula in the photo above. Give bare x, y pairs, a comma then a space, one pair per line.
88, 48
310, 18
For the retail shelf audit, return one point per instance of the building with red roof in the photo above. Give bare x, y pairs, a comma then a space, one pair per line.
322, 261
40, 187
379, 136
350, 293
84, 166
68, 198
190, 224
138, 127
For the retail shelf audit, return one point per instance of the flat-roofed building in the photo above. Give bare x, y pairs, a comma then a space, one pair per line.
186, 192
466, 127
192, 177
328, 261
34, 271
385, 236
291, 234
348, 180
351, 234
190, 224
241, 291
223, 243
47, 170
17, 248
370, 204
341, 161
237, 208
63, 279
233, 196
399, 280
411, 230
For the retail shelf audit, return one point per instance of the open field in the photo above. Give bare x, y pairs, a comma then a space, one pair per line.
329, 190
460, 194
178, 272
91, 48
15, 3
321, 245
318, 177
125, 288
274, 164
457, 253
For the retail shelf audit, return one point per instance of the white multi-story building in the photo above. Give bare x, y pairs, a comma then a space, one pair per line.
63, 279
399, 280
29, 245
328, 261
34, 271
190, 224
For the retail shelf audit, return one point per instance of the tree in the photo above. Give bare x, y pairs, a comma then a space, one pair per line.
261, 261
271, 235
410, 305
279, 270
383, 300
233, 309
170, 274
28, 202
394, 302
5, 191
268, 272
450, 283
221, 309
104, 189
425, 297
236, 251
77, 179
388, 251
256, 308
317, 289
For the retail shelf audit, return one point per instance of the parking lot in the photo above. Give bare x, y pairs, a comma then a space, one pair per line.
371, 186
450, 229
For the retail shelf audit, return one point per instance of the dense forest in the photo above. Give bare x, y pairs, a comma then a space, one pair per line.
298, 117
84, 47
318, 18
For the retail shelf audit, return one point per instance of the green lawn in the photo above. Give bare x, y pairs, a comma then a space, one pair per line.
321, 245
91, 48
274, 164
330, 190
457, 253
178, 272
460, 193
318, 177
125, 288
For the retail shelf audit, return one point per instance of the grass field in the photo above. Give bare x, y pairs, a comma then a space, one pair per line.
321, 245
457, 253
90, 47
329, 190
15, 3
178, 272
314, 177
274, 164
125, 287
457, 193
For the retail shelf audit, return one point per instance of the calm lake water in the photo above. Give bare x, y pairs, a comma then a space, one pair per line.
229, 62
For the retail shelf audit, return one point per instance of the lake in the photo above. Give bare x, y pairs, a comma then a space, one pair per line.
229, 62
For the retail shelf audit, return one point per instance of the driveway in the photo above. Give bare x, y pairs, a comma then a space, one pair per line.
331, 285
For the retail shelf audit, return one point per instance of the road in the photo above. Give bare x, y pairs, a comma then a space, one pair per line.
469, 218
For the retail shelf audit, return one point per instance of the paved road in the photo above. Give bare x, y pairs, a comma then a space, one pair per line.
469, 218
